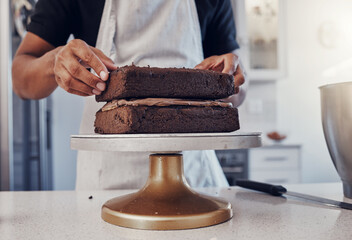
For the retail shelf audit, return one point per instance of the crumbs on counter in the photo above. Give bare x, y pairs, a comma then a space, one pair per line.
90, 197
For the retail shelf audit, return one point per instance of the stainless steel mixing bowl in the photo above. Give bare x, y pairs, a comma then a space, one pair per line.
336, 109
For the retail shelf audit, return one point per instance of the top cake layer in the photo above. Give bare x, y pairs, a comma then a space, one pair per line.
149, 82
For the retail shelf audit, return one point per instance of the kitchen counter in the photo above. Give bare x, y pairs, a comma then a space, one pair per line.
72, 215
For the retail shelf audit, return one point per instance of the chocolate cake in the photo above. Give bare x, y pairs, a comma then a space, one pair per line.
166, 116
150, 82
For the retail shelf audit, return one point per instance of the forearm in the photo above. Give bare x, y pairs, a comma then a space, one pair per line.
33, 77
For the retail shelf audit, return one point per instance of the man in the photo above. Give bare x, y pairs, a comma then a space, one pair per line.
178, 33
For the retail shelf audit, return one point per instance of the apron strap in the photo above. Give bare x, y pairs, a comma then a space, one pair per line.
107, 29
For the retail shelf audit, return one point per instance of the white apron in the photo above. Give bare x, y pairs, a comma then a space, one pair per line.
158, 33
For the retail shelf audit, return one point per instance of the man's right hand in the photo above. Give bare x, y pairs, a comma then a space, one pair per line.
70, 68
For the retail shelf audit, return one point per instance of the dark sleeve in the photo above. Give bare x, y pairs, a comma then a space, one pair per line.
53, 20
219, 37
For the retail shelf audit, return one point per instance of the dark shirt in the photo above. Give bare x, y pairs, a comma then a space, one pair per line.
55, 20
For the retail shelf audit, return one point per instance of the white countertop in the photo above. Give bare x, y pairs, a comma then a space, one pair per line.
71, 215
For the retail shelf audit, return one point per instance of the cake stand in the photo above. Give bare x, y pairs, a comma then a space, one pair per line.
166, 201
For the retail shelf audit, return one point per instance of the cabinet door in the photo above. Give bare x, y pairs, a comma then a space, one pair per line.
274, 159
260, 29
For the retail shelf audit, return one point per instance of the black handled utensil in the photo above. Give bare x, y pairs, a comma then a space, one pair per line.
278, 190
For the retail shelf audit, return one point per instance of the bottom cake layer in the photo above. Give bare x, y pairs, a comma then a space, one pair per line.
166, 119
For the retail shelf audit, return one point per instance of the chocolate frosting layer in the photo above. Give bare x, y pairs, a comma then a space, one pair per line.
163, 102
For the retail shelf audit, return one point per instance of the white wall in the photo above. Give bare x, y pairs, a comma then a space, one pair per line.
258, 112
67, 113
298, 96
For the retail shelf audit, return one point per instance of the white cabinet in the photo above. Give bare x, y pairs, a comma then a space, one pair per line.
275, 164
261, 34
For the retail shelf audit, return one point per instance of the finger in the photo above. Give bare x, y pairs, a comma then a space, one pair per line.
85, 53
83, 88
219, 61
229, 64
201, 66
71, 83
60, 83
78, 93
238, 77
106, 60
83, 64
206, 64
237, 90
79, 72
218, 66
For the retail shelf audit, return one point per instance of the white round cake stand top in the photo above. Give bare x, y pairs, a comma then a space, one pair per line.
165, 143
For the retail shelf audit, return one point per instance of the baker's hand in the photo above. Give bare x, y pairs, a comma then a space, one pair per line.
70, 68
226, 63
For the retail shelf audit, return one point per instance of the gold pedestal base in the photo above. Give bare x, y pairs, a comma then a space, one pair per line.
166, 201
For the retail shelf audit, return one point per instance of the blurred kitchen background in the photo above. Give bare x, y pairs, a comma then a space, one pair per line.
289, 48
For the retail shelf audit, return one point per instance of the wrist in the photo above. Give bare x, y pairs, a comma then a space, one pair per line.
51, 58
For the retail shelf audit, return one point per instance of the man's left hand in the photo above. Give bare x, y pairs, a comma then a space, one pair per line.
226, 63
